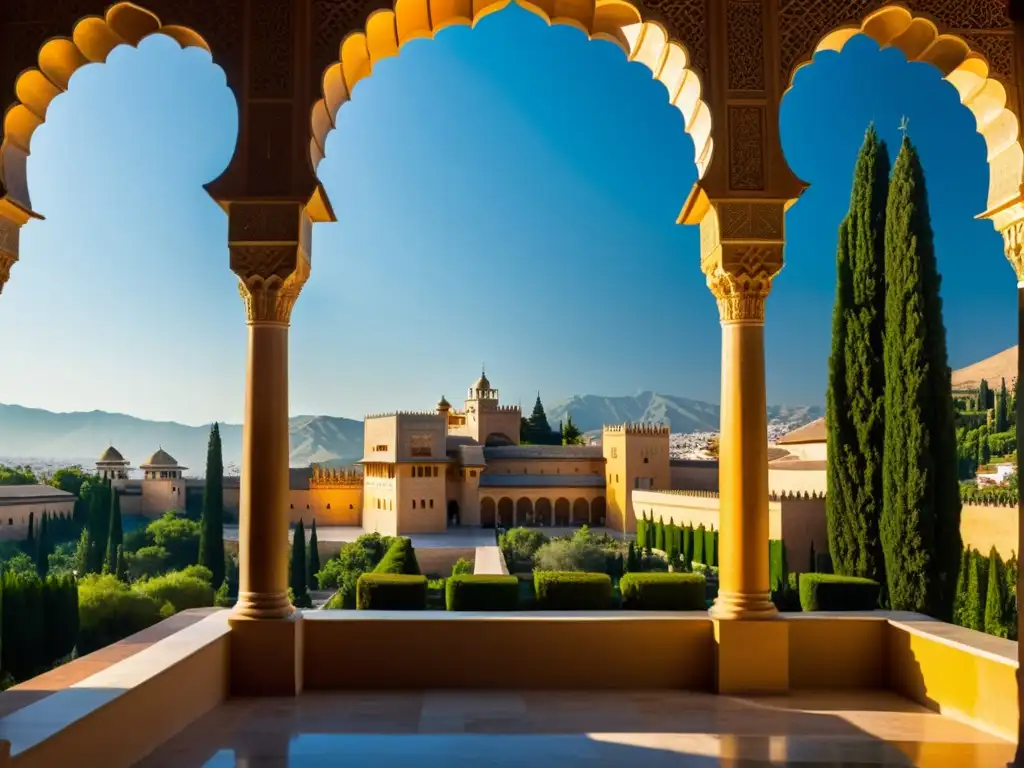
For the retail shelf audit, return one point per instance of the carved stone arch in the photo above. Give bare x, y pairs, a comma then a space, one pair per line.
39, 57
925, 36
386, 30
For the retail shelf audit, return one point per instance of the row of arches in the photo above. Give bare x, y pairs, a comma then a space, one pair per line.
621, 22
543, 512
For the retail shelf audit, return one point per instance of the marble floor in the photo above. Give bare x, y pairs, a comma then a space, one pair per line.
436, 729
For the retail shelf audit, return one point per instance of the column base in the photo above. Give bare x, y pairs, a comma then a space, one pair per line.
751, 657
266, 656
756, 606
263, 605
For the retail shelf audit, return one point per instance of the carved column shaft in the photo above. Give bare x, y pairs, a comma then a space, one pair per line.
269, 245
741, 253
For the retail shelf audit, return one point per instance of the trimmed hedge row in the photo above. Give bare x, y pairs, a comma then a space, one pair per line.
829, 592
467, 592
663, 591
572, 591
391, 592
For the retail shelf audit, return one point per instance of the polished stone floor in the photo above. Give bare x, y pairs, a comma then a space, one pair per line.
539, 729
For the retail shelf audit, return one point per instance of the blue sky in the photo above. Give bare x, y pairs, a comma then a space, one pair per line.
505, 195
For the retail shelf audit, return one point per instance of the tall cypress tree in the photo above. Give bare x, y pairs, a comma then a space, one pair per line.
298, 567
921, 496
540, 429
983, 395
115, 536
313, 557
43, 548
30, 537
855, 415
1002, 411
211, 532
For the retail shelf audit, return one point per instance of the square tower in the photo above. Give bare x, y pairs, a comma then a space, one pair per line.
636, 458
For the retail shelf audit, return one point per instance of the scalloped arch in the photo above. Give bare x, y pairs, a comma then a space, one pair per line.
920, 39
617, 21
91, 41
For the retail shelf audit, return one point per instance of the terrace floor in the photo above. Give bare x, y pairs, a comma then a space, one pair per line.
540, 729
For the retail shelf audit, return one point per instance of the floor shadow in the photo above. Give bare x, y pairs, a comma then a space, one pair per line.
536, 728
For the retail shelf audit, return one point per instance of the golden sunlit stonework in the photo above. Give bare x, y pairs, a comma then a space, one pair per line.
293, 64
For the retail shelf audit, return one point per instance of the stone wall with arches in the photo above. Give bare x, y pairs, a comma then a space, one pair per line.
542, 507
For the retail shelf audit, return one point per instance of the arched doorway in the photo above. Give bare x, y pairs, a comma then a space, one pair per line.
453, 512
487, 512
524, 512
542, 512
506, 514
598, 510
562, 512
580, 512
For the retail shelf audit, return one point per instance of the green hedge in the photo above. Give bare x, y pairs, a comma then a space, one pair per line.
400, 558
572, 591
663, 591
467, 592
391, 592
828, 592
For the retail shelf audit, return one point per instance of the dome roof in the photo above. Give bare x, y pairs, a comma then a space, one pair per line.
443, 404
161, 459
111, 454
482, 382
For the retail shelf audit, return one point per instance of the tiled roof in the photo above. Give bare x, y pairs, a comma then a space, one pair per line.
541, 481
808, 433
17, 494
161, 459
564, 452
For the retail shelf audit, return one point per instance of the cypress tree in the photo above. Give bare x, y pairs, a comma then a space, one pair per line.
659, 534
631, 559
855, 399
641, 530
121, 565
995, 597
211, 531
43, 549
313, 559
983, 395
115, 536
974, 605
698, 545
921, 495
688, 545
960, 603
298, 565
30, 537
540, 429
1002, 409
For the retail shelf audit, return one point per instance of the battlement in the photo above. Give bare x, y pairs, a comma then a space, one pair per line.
509, 409
643, 428
326, 477
773, 496
392, 414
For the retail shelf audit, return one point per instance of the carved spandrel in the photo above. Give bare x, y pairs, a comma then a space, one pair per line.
264, 222
745, 35
746, 147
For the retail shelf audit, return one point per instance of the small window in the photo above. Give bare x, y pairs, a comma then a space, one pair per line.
350, 506
291, 506
435, 471
328, 506
10, 521
423, 504
472, 473
431, 503
307, 506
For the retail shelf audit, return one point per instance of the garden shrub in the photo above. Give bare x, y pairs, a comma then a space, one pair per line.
137, 539
641, 531
829, 592
335, 602
777, 566
699, 540
23, 651
997, 619
482, 593
575, 554
179, 536
519, 546
200, 572
977, 589
60, 615
399, 559
148, 562
109, 611
178, 588
711, 546
572, 591
461, 567
391, 592
687, 545
663, 591
659, 534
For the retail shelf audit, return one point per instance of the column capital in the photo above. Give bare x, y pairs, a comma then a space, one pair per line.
12, 218
741, 251
270, 244
1013, 246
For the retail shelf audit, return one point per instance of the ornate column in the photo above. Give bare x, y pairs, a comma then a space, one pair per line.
269, 244
741, 252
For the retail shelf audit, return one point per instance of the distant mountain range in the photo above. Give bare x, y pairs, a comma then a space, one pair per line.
33, 433
1002, 365
590, 412
82, 437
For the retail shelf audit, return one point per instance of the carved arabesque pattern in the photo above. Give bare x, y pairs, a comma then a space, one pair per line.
802, 23
997, 48
272, 44
745, 24
332, 21
746, 147
751, 221
263, 222
270, 279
